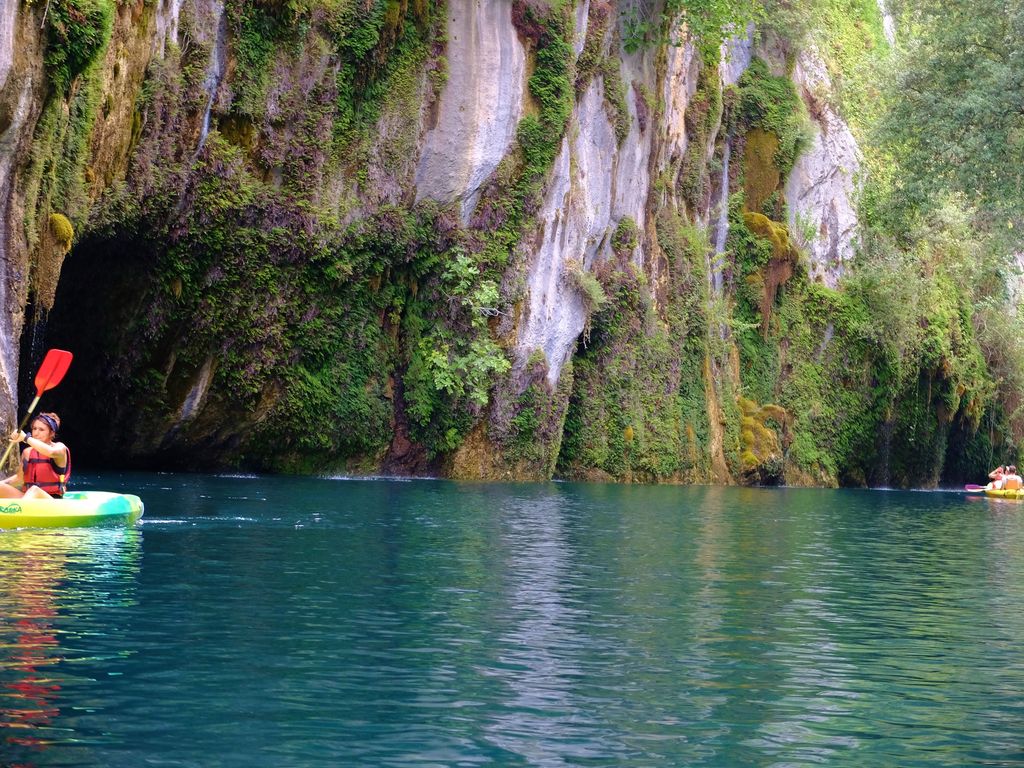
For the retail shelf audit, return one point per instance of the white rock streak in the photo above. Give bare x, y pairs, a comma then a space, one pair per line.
168, 13
9, 140
8, 21
735, 55
631, 175
680, 83
480, 106
215, 69
722, 221
595, 185
888, 24
197, 395
822, 188
577, 215
582, 16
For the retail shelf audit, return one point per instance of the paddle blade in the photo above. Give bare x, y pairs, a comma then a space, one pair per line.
974, 487
54, 366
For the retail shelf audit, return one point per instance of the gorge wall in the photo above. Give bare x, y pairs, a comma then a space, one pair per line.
499, 239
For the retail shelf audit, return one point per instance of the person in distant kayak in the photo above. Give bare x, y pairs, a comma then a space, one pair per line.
1011, 480
45, 464
997, 476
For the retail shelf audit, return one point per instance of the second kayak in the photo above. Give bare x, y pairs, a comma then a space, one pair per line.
1019, 495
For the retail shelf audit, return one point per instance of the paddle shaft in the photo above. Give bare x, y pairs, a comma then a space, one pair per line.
20, 428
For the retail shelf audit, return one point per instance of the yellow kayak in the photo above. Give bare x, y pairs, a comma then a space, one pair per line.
76, 509
1019, 495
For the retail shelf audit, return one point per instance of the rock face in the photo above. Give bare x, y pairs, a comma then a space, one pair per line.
474, 123
735, 56
576, 213
218, 62
12, 275
680, 83
1017, 282
479, 238
8, 22
168, 18
597, 183
20, 103
822, 187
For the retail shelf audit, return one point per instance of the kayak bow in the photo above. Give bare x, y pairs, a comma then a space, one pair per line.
76, 509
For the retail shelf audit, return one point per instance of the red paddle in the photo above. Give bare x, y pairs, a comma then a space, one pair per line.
974, 488
54, 366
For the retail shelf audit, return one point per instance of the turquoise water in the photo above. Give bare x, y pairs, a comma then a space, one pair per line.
298, 622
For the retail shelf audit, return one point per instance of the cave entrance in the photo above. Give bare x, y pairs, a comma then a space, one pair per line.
101, 284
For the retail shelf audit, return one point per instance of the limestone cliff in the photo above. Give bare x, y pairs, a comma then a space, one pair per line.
508, 238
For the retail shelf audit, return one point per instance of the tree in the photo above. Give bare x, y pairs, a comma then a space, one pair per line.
956, 108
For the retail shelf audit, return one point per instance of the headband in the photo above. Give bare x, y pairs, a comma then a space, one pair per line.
49, 421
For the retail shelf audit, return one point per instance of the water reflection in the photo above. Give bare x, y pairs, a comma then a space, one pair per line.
535, 651
57, 592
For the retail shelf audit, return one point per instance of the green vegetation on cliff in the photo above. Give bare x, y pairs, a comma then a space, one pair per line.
55, 200
637, 410
710, 22
77, 33
261, 308
278, 300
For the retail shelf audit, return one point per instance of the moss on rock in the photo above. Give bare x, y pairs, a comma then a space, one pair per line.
772, 104
780, 266
62, 230
77, 35
761, 452
761, 175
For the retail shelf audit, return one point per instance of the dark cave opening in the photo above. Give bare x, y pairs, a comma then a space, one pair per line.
102, 285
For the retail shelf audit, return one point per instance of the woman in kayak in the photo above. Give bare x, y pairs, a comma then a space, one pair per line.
45, 464
1012, 481
997, 476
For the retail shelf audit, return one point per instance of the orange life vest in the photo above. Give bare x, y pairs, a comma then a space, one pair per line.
1012, 483
44, 472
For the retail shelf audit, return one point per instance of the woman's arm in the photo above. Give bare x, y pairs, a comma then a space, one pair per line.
58, 451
